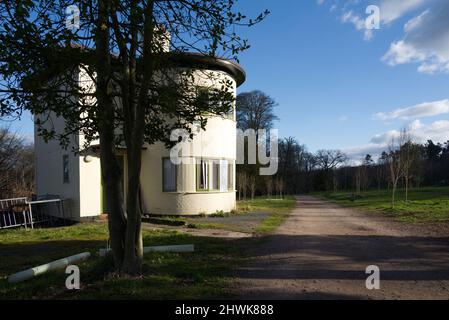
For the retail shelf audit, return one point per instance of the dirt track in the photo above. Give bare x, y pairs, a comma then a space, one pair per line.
322, 251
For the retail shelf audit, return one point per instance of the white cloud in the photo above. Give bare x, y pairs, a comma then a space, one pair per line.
343, 118
426, 41
358, 22
394, 9
426, 109
437, 131
356, 154
426, 35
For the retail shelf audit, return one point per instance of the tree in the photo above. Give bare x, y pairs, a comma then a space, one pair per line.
242, 184
255, 110
365, 172
433, 151
328, 160
381, 169
252, 186
279, 186
120, 47
269, 186
16, 165
409, 156
395, 167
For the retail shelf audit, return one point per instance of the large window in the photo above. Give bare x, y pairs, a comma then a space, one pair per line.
168, 176
214, 175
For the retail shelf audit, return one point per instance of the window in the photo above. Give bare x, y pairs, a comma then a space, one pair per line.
231, 176
65, 168
215, 177
168, 176
202, 175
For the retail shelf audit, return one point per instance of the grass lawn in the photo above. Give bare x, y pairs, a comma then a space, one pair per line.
424, 205
259, 216
204, 274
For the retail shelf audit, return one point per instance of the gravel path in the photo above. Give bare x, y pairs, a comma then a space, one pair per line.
322, 251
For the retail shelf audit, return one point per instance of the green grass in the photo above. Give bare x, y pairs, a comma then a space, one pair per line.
278, 210
203, 274
424, 205
275, 211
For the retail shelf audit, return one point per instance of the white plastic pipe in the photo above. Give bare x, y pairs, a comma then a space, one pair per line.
177, 248
57, 264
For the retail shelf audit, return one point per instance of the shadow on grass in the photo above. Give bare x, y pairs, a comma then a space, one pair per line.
203, 274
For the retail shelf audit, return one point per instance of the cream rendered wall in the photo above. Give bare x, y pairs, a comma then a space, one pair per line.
218, 141
89, 172
83, 192
49, 171
90, 187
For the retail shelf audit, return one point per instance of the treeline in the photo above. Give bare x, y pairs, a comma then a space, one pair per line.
16, 166
404, 164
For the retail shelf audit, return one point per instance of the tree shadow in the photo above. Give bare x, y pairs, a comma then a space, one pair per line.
345, 257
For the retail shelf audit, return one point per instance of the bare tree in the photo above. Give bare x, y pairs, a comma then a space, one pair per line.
328, 160
279, 186
269, 186
255, 110
16, 165
252, 186
242, 184
394, 166
409, 155
358, 179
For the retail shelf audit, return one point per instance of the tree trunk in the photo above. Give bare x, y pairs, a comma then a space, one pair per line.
110, 169
134, 136
132, 261
113, 187
393, 195
406, 189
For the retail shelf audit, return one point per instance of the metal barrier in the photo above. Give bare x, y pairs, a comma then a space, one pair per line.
19, 212
10, 216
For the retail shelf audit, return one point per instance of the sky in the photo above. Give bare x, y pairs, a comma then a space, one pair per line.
340, 85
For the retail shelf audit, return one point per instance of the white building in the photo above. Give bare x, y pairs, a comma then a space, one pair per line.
205, 185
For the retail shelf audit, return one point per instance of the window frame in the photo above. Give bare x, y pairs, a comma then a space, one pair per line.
175, 189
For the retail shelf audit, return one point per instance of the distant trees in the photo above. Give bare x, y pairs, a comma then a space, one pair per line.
404, 164
16, 166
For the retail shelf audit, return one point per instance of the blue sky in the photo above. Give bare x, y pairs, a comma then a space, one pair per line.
330, 81
339, 86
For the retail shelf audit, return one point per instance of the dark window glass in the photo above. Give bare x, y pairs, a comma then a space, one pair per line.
169, 176
65, 168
